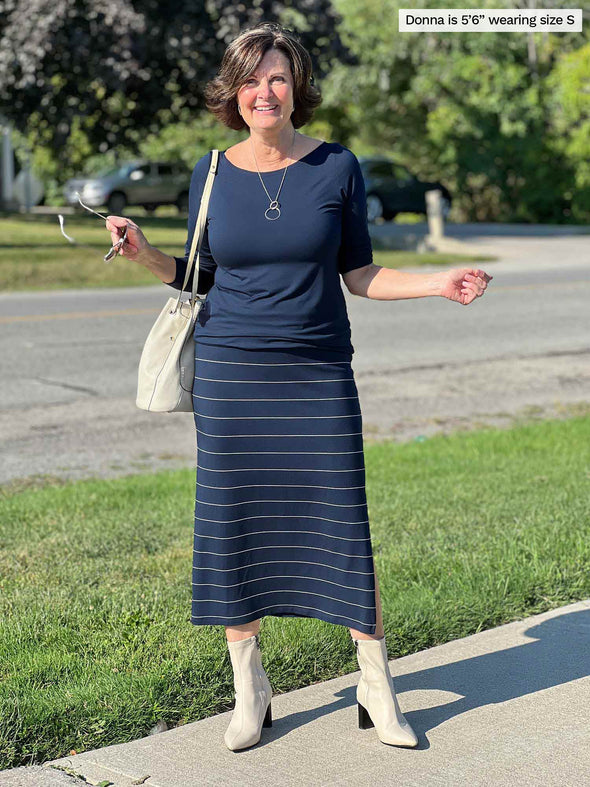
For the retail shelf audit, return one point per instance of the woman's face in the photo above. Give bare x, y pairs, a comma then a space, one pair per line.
266, 97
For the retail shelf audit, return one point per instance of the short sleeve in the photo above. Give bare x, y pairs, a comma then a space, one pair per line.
355, 247
207, 265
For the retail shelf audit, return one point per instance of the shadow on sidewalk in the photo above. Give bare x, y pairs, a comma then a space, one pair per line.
558, 654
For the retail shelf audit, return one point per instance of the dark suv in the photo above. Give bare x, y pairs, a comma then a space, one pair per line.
139, 182
392, 189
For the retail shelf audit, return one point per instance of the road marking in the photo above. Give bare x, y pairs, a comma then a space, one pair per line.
75, 315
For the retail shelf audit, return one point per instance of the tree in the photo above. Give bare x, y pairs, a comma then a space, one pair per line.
470, 109
114, 70
569, 86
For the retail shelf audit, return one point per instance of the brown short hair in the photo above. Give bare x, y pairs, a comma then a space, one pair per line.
240, 60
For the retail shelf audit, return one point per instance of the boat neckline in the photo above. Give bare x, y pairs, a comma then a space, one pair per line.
269, 171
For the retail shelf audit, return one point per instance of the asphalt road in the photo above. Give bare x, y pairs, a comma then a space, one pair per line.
423, 366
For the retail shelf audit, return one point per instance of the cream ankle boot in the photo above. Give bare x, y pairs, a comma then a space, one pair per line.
253, 695
376, 699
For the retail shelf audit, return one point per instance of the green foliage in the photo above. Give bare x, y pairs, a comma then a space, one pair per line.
569, 97
503, 119
473, 110
188, 141
78, 156
120, 70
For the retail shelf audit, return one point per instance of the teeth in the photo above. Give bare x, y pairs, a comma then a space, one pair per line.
264, 109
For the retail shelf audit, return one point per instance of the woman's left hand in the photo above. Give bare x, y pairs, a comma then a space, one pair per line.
464, 285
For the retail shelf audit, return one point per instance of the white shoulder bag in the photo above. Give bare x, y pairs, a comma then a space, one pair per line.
167, 364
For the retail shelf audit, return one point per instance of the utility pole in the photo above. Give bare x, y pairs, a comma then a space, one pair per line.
6, 194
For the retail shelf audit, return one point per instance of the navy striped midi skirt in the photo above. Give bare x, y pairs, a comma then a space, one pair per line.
281, 522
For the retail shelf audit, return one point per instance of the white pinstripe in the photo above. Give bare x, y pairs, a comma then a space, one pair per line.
282, 606
271, 532
274, 417
305, 453
274, 469
284, 576
266, 592
295, 363
283, 546
286, 486
274, 563
344, 434
245, 502
276, 382
282, 399
281, 516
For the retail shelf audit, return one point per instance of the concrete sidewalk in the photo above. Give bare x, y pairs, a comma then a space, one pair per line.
509, 706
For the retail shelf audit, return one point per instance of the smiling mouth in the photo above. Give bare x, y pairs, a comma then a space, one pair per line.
266, 109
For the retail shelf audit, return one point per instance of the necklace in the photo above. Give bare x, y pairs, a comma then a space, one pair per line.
274, 206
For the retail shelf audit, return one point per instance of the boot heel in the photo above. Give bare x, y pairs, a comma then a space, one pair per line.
375, 690
365, 722
268, 718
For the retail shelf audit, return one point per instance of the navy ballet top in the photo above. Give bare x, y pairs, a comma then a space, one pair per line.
276, 283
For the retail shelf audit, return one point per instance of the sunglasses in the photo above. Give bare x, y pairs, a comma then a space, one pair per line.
113, 251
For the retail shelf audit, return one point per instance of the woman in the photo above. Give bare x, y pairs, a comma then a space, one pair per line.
281, 525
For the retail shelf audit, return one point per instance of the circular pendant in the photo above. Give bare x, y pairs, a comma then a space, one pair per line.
274, 208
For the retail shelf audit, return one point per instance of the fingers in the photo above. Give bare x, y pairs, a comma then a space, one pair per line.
476, 280
485, 277
113, 222
116, 226
469, 289
117, 237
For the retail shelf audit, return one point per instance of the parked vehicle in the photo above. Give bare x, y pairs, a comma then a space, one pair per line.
138, 182
392, 189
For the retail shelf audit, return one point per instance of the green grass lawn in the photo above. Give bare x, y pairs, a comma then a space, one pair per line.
34, 255
469, 531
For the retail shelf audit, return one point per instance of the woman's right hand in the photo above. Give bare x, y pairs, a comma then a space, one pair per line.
136, 244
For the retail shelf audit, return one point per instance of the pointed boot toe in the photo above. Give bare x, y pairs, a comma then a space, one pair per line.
376, 699
398, 734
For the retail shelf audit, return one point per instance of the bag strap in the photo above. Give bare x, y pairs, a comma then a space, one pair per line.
200, 230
